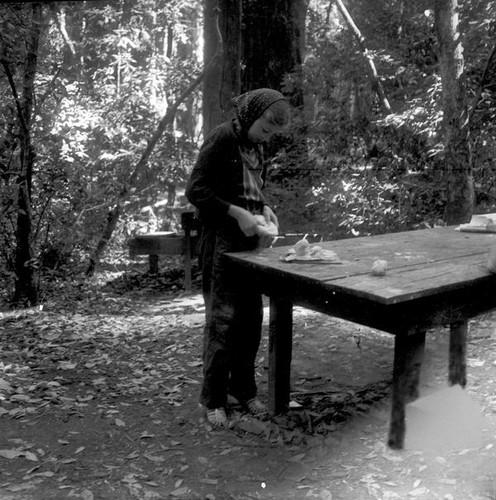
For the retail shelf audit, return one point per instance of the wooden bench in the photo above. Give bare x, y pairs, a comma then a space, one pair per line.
169, 243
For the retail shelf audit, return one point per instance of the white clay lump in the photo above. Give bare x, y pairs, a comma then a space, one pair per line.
302, 248
379, 267
266, 228
303, 251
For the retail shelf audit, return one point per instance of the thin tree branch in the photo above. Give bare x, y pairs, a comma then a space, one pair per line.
361, 42
168, 119
483, 82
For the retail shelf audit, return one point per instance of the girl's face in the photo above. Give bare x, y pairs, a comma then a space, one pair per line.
262, 131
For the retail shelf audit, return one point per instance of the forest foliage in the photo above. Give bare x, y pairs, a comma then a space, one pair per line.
107, 72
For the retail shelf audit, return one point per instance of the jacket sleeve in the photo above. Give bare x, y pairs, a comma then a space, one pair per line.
203, 187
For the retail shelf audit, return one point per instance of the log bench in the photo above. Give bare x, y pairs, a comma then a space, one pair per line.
169, 243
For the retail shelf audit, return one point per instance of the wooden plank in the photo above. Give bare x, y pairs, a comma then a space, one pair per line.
404, 284
429, 261
400, 249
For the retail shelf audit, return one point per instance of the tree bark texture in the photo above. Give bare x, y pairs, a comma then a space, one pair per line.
457, 155
273, 41
112, 219
222, 34
25, 288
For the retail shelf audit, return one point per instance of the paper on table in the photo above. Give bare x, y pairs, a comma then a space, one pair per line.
483, 223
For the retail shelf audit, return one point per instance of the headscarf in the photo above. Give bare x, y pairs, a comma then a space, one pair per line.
251, 105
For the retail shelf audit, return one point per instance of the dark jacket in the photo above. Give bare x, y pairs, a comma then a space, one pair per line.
216, 181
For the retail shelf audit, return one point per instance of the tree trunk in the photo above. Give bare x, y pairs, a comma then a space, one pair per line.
222, 34
457, 156
25, 288
273, 43
112, 220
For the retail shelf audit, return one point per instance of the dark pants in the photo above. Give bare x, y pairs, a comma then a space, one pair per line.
233, 310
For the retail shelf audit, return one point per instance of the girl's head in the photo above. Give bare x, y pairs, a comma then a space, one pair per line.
261, 113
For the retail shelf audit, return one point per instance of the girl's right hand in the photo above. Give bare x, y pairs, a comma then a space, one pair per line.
246, 221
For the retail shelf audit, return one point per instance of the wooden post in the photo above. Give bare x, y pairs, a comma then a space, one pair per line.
408, 355
187, 223
153, 263
458, 353
280, 349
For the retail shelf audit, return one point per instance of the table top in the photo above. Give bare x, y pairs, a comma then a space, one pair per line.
421, 263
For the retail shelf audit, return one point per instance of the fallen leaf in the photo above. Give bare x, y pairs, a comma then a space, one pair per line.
297, 458
30, 456
417, 492
87, 495
207, 480
154, 458
5, 386
180, 492
22, 487
10, 454
67, 365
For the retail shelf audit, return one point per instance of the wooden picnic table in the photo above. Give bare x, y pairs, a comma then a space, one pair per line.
436, 277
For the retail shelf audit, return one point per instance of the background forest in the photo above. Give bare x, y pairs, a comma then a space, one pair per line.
105, 103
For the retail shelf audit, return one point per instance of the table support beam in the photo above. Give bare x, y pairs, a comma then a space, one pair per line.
280, 350
408, 356
458, 353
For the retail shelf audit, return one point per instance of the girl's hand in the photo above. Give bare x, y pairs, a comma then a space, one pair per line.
270, 216
246, 221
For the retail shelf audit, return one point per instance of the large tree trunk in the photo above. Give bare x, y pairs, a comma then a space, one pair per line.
273, 43
222, 33
457, 156
25, 287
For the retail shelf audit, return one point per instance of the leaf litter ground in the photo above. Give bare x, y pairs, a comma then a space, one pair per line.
99, 400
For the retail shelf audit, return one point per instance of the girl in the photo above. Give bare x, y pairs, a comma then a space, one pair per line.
226, 188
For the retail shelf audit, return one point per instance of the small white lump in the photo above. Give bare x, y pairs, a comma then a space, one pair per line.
380, 267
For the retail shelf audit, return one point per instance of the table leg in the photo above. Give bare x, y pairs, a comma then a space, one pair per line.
458, 353
408, 355
280, 348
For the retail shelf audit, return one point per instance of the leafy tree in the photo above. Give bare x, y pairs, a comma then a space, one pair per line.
115, 115
110, 74
19, 63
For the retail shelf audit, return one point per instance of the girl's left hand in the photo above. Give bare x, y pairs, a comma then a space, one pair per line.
270, 216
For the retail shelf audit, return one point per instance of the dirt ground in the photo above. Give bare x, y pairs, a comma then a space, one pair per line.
99, 400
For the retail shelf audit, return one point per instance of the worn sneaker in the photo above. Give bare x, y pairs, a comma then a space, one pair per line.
217, 418
256, 407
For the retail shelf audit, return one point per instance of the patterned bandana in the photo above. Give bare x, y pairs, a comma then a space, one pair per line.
251, 105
